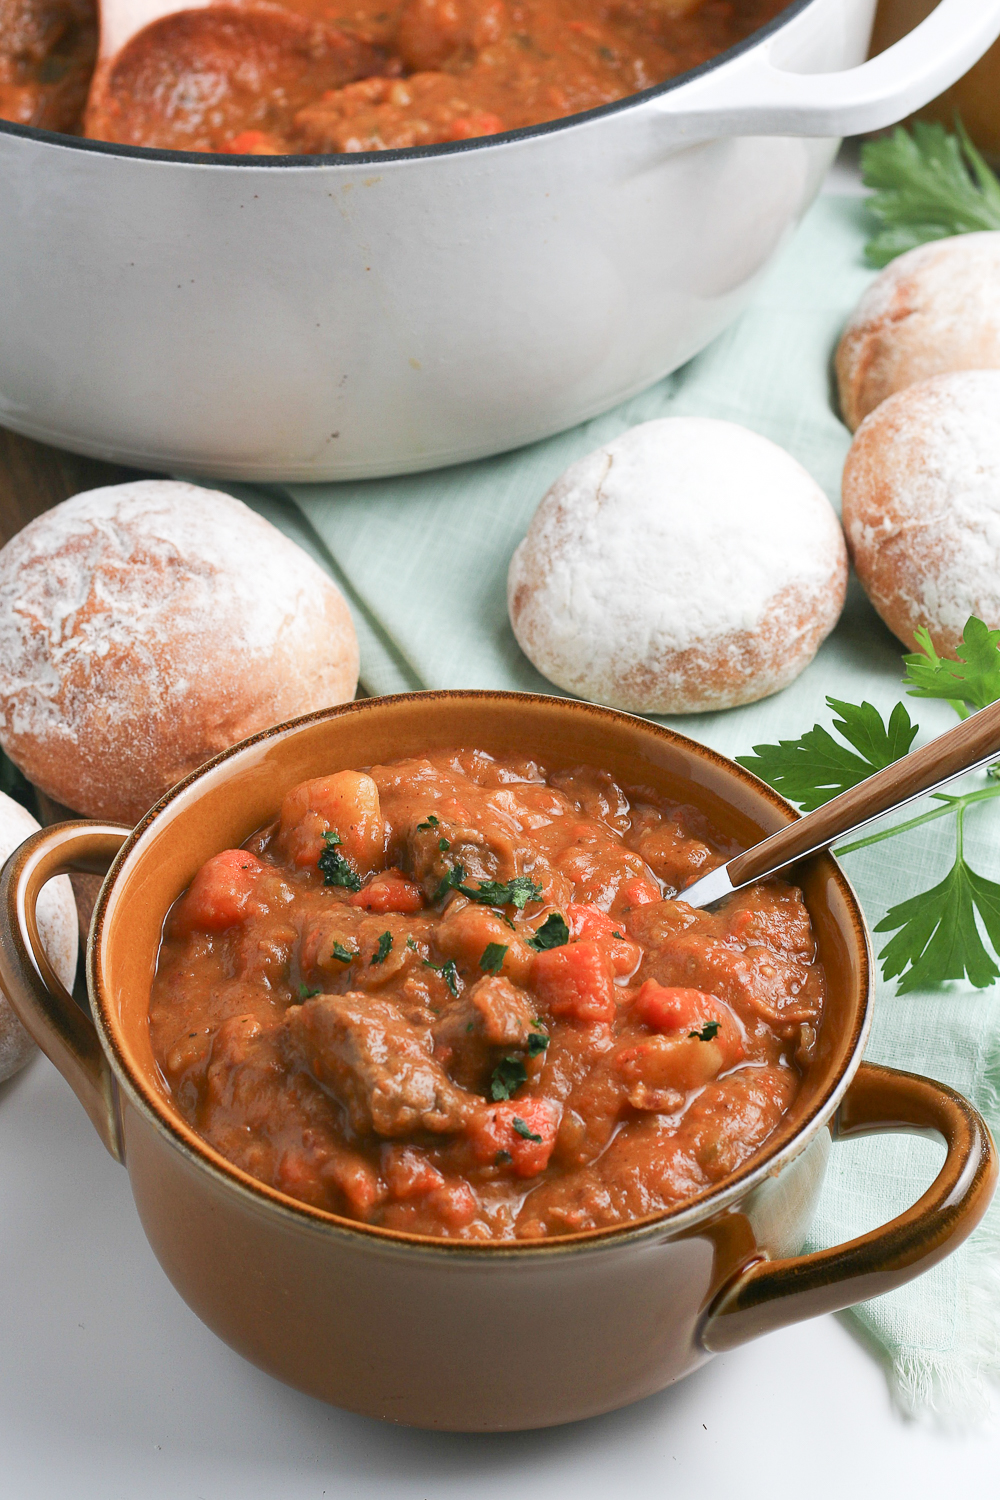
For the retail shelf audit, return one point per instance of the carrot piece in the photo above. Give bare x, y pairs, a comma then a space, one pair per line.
219, 893
390, 891
575, 981
519, 1133
672, 1008
590, 922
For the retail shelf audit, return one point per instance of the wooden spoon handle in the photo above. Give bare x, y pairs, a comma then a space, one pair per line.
971, 744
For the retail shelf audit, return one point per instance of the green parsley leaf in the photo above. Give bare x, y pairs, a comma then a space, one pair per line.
938, 938
383, 950
345, 955
969, 683
553, 933
305, 993
443, 845
537, 1044
493, 957
929, 185
448, 973
619, 935
335, 869
814, 768
502, 1158
517, 892
508, 1076
708, 1032
522, 1130
431, 822
452, 881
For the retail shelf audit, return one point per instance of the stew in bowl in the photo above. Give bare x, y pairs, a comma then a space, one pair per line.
458, 995
318, 1175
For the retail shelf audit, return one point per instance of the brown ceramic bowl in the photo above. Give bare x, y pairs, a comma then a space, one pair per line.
405, 1327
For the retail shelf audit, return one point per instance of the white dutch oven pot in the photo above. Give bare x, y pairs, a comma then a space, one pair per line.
334, 317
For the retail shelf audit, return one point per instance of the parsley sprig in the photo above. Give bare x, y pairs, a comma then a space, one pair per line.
814, 768
928, 185
968, 683
939, 933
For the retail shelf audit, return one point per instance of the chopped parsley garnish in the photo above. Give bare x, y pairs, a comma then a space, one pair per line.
502, 1158
517, 892
619, 935
335, 869
443, 845
383, 950
448, 973
537, 1044
553, 933
411, 944
344, 954
928, 186
708, 1032
305, 993
508, 1076
493, 957
431, 822
522, 1130
452, 881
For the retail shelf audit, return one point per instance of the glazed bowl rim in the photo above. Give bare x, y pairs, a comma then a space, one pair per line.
268, 1200
412, 153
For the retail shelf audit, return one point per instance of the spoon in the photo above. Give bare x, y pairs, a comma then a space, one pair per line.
968, 747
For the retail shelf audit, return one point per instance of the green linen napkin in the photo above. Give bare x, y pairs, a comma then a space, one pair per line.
423, 560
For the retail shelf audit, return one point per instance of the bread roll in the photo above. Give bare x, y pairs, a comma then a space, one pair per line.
922, 506
688, 565
147, 626
934, 310
56, 928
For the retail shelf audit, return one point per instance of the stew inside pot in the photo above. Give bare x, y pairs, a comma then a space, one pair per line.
315, 76
458, 996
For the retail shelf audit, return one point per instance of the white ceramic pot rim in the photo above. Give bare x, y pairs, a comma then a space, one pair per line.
269, 1201
414, 153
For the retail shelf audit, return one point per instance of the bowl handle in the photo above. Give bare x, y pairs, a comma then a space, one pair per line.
62, 1029
753, 95
770, 1294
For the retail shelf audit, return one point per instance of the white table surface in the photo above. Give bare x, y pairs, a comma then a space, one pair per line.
111, 1389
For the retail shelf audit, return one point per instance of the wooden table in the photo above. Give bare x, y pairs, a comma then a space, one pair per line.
34, 477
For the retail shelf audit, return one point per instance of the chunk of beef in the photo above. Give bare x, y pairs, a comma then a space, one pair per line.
376, 1064
506, 1013
491, 1017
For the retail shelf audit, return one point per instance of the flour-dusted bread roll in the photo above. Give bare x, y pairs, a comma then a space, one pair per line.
934, 310
688, 565
56, 928
147, 626
922, 506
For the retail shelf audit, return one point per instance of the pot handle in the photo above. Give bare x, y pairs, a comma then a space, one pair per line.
752, 95
63, 1030
770, 1294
